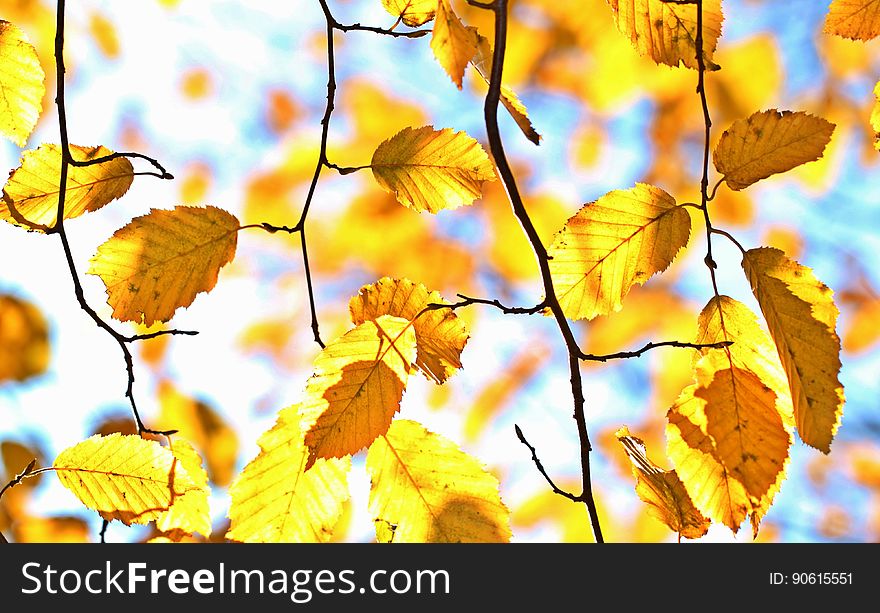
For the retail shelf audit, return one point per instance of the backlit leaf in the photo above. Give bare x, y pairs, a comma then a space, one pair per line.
357, 386
431, 170
440, 334
666, 32
767, 143
802, 318
159, 262
274, 501
190, 512
855, 19
612, 244
21, 84
105, 36
453, 44
425, 489
728, 443
412, 12
124, 477
32, 189
24, 340
662, 490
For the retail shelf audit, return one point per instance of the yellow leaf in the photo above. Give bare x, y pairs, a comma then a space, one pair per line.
159, 262
425, 489
453, 44
440, 334
274, 501
802, 318
431, 170
612, 244
767, 143
862, 332
666, 32
31, 192
24, 340
728, 443
725, 319
50, 530
875, 117
21, 84
412, 12
190, 512
855, 19
104, 33
123, 477
482, 61
662, 490
357, 386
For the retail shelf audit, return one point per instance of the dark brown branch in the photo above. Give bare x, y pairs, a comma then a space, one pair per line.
163, 174
622, 355
27, 472
729, 237
144, 337
499, 8
540, 467
356, 27
468, 301
104, 524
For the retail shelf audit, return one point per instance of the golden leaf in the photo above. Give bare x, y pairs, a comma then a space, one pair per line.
875, 117
431, 170
24, 340
21, 84
61, 529
855, 19
190, 512
728, 443
357, 386
482, 61
440, 334
662, 490
124, 477
161, 261
666, 32
104, 33
425, 489
453, 44
612, 244
274, 501
802, 318
767, 143
30, 196
412, 12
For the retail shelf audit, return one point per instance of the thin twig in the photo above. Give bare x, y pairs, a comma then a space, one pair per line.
104, 524
730, 237
27, 472
540, 467
468, 301
622, 355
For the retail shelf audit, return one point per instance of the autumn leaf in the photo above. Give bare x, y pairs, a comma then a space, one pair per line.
482, 61
190, 512
357, 386
124, 477
21, 84
431, 170
802, 318
24, 340
855, 19
104, 33
662, 490
440, 334
612, 244
274, 500
161, 261
767, 143
453, 44
666, 31
60, 529
425, 489
728, 442
875, 117
412, 12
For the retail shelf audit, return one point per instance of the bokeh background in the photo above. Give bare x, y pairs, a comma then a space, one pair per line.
228, 95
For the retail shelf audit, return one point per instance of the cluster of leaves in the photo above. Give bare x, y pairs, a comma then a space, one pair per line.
728, 434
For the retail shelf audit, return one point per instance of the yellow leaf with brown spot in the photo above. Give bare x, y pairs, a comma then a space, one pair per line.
24, 340
855, 19
190, 512
662, 490
767, 143
802, 317
612, 244
30, 196
161, 261
440, 334
124, 477
453, 43
667, 32
424, 489
411, 12
21, 84
357, 386
275, 500
432, 170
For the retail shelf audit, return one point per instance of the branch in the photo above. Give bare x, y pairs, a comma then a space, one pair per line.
589, 357
19, 477
468, 301
541, 470
385, 31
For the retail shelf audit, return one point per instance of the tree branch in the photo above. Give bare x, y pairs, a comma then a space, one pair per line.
622, 355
